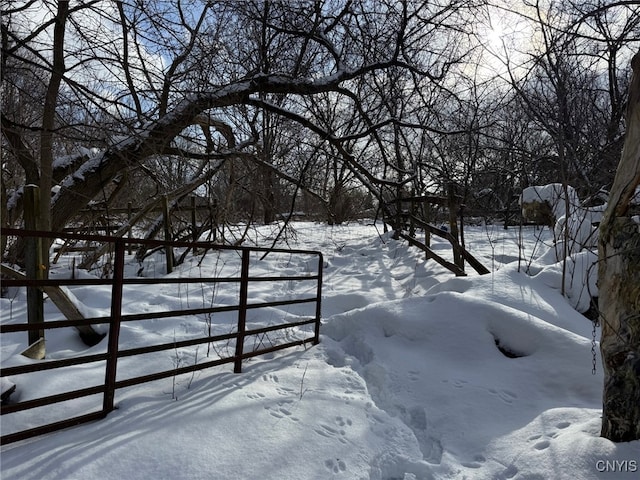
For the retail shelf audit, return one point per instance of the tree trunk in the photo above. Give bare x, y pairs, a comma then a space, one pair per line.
50, 115
619, 287
268, 195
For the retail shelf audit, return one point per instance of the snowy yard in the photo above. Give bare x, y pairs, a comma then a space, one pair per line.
407, 382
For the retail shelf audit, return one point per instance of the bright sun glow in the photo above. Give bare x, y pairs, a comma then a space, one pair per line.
494, 37
503, 36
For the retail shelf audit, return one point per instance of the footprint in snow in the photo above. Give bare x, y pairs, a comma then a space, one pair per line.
284, 391
270, 378
477, 462
335, 466
335, 431
505, 395
542, 445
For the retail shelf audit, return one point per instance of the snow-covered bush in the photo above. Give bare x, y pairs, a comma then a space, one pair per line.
547, 203
577, 228
570, 262
580, 278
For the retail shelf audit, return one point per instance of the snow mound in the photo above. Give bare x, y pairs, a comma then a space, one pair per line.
474, 411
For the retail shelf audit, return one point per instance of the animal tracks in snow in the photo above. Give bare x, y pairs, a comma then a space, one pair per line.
505, 395
337, 431
270, 378
280, 389
542, 442
283, 405
335, 466
542, 445
282, 409
477, 462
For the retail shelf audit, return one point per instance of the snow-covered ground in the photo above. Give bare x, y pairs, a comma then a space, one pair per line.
407, 382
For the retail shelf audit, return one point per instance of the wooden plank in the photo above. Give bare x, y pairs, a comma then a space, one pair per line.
473, 261
7, 387
35, 351
67, 307
431, 254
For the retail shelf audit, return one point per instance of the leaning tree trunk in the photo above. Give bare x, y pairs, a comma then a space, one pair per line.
619, 287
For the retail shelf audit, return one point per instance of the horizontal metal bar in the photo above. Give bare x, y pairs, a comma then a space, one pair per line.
281, 303
271, 328
170, 346
52, 364
60, 282
201, 366
220, 309
154, 281
51, 399
51, 324
51, 427
280, 279
275, 348
170, 373
71, 282
203, 340
177, 313
23, 327
149, 242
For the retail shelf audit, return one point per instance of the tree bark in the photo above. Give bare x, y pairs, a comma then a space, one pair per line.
49, 118
619, 287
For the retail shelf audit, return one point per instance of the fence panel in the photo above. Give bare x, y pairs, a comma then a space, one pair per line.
116, 318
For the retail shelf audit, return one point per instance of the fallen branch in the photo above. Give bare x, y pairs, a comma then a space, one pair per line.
62, 299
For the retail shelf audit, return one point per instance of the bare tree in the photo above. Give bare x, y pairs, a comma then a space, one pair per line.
570, 83
128, 87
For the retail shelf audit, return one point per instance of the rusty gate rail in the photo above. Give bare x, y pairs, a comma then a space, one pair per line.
116, 318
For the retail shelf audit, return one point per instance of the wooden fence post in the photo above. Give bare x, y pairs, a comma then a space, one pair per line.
462, 244
195, 233
129, 215
427, 218
194, 219
413, 213
213, 212
35, 269
454, 205
167, 233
